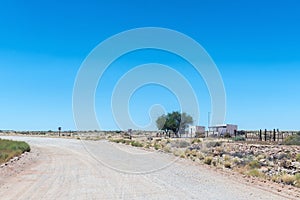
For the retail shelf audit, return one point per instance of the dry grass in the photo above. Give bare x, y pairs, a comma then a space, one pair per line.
208, 160
255, 173
288, 179
227, 164
10, 149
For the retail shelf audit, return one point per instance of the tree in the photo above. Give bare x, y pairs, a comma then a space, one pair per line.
174, 122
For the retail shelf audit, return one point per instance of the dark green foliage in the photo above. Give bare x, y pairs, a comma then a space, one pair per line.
239, 138
174, 121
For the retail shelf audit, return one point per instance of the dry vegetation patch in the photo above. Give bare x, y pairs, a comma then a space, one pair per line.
10, 149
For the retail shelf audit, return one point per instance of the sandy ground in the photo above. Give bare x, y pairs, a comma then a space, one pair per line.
73, 169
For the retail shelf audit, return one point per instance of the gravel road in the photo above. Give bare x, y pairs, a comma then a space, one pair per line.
73, 169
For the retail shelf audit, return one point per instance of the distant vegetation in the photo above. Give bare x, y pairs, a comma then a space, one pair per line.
174, 122
292, 139
10, 149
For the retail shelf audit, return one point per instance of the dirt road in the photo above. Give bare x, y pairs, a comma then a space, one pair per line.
72, 169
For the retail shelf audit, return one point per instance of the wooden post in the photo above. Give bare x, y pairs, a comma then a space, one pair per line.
265, 135
260, 137
274, 135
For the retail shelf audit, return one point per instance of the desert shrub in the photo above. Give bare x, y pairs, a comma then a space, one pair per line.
227, 164
255, 173
167, 149
208, 160
157, 146
196, 141
226, 158
236, 161
288, 179
10, 149
239, 138
254, 164
178, 152
297, 177
292, 140
298, 157
136, 144
213, 144
118, 140
214, 163
180, 144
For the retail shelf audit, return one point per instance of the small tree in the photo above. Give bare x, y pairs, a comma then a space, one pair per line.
174, 122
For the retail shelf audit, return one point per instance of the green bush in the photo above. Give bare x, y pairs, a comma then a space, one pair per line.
136, 144
239, 138
157, 146
10, 149
254, 164
255, 173
298, 157
292, 140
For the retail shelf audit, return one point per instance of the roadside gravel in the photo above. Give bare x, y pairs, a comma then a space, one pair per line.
72, 169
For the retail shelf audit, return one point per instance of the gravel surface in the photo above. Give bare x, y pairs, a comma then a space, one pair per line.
73, 169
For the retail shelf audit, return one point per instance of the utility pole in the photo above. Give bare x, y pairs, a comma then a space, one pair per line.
208, 123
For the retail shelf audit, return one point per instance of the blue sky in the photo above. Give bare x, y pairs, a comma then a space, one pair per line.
255, 45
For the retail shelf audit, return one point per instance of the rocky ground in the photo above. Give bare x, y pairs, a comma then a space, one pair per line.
17, 165
276, 163
74, 169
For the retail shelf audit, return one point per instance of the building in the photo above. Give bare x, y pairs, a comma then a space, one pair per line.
195, 129
221, 130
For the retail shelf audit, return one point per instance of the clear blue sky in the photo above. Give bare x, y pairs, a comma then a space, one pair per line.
255, 44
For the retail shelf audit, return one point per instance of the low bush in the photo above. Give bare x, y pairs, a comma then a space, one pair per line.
157, 146
298, 157
288, 179
292, 140
136, 144
239, 138
167, 149
196, 141
213, 144
254, 164
10, 149
208, 160
180, 144
227, 164
297, 177
255, 173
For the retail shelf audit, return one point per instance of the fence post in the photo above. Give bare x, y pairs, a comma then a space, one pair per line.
274, 135
260, 137
265, 135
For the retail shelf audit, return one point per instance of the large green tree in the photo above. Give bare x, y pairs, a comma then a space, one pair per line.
174, 121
